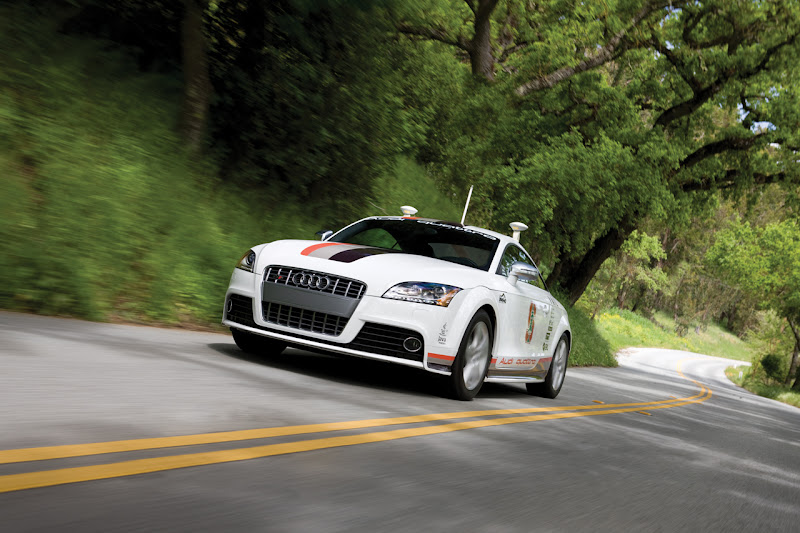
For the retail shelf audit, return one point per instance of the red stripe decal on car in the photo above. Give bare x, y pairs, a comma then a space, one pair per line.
440, 356
314, 247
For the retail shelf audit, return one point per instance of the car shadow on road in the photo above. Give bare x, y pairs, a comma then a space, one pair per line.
360, 372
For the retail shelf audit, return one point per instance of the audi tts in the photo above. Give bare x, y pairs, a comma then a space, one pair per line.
461, 301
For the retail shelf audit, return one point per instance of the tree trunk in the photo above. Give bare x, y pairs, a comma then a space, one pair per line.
480, 47
732, 314
623, 292
574, 275
794, 371
796, 386
197, 86
639, 298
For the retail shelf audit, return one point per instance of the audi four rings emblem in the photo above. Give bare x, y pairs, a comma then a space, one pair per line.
312, 281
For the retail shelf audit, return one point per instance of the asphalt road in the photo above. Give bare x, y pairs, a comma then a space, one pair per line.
662, 443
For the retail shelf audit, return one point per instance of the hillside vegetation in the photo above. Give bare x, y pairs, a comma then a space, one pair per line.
104, 214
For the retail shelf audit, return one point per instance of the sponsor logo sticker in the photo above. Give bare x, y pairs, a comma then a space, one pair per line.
531, 317
517, 363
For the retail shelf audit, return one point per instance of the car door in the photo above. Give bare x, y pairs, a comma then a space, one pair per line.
527, 313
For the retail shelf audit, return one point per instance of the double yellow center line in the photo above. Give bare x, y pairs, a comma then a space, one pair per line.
46, 478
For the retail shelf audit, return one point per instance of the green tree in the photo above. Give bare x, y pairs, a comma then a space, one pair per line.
766, 263
634, 269
600, 115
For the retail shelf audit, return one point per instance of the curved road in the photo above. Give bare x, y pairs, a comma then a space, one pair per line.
122, 428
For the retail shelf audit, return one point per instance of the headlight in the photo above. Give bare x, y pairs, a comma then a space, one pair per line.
423, 293
248, 261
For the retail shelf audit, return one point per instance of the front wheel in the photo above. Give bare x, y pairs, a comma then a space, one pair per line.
257, 344
472, 361
555, 376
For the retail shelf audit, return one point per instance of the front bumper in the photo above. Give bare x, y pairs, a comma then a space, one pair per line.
376, 328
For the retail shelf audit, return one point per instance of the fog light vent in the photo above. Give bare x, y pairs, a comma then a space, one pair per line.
412, 344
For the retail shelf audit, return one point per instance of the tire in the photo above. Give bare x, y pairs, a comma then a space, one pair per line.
474, 356
256, 344
555, 376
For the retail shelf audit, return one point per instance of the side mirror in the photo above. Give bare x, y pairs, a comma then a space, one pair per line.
324, 234
523, 271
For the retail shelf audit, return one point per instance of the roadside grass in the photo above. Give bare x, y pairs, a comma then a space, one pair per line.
589, 345
775, 391
625, 329
711, 339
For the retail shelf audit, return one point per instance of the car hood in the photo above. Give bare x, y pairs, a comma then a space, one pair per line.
379, 268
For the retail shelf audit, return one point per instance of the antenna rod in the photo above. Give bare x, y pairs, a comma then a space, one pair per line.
466, 206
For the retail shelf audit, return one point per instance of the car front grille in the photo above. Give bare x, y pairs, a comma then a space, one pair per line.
303, 319
387, 340
314, 281
239, 309
308, 300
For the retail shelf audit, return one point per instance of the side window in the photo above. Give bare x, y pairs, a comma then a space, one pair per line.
511, 256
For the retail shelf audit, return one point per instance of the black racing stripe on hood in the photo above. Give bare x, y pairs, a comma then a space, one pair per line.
348, 256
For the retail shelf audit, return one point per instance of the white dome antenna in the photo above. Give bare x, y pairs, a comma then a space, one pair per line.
517, 228
408, 211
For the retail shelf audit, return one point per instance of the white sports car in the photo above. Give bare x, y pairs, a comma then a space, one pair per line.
456, 300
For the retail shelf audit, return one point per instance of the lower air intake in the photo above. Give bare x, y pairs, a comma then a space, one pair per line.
303, 319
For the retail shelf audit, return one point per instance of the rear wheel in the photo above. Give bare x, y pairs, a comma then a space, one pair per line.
257, 344
555, 376
472, 362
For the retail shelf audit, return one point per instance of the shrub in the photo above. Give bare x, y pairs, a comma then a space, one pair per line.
774, 366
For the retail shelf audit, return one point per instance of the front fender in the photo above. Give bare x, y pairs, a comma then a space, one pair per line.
468, 304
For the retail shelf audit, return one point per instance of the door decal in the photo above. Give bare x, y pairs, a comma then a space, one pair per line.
531, 316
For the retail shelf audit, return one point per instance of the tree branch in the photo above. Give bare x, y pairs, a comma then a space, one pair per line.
512, 50
729, 181
606, 53
471, 4
752, 114
718, 147
703, 95
690, 80
434, 34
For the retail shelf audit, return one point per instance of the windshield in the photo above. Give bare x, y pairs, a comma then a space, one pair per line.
441, 240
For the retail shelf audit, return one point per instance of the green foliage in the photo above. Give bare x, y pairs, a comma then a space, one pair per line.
589, 347
745, 378
634, 270
651, 134
407, 183
775, 366
315, 99
763, 262
772, 334
104, 215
